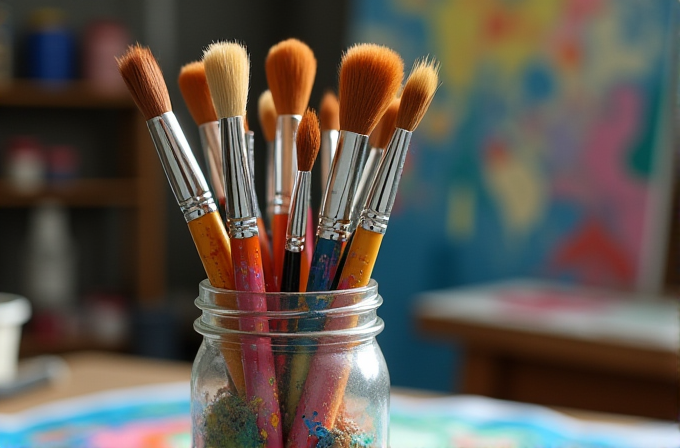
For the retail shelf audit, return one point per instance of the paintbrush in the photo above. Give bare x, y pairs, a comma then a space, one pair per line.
307, 143
415, 100
324, 389
194, 88
144, 79
329, 115
377, 142
227, 66
370, 76
267, 114
290, 67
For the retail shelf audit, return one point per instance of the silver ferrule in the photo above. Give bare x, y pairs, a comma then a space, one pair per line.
380, 201
250, 145
367, 177
329, 141
180, 166
285, 161
297, 217
212, 151
270, 182
335, 217
241, 221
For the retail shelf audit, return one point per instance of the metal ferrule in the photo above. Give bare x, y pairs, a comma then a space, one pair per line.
380, 201
366, 182
335, 217
329, 141
297, 220
270, 182
241, 221
250, 145
285, 161
180, 166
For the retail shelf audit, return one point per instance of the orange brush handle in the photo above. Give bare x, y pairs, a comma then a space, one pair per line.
213, 246
266, 251
279, 226
324, 389
258, 359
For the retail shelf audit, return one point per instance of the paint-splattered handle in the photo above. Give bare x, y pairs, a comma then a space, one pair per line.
258, 359
324, 264
267, 260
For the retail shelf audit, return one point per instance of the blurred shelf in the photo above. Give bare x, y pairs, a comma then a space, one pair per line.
76, 193
71, 94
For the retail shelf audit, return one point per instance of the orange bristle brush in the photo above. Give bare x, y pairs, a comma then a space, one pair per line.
290, 67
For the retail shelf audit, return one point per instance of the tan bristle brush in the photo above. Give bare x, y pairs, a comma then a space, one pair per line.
325, 387
370, 76
194, 88
145, 81
377, 142
227, 67
290, 67
330, 128
266, 111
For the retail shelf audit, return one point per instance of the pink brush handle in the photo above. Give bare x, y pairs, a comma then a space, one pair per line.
258, 360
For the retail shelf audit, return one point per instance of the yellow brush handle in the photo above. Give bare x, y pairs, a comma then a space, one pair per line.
361, 259
212, 243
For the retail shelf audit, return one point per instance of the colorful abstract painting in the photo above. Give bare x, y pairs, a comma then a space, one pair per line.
542, 154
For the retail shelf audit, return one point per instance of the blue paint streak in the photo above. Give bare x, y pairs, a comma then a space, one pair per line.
324, 263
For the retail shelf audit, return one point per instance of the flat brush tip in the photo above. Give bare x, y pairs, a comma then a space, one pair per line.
308, 140
194, 87
144, 80
419, 90
330, 112
227, 69
370, 76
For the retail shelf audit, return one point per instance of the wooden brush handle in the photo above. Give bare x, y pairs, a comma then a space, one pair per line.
290, 280
361, 257
266, 251
212, 243
324, 264
279, 226
258, 359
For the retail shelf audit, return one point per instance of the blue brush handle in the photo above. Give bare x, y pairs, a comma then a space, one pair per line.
324, 264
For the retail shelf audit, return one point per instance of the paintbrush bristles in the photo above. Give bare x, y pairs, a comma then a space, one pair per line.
381, 135
227, 68
290, 68
308, 140
267, 113
370, 76
144, 79
330, 112
194, 87
418, 92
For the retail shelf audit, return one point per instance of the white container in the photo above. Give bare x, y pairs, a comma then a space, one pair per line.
14, 312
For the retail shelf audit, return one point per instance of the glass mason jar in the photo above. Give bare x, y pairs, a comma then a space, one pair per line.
309, 374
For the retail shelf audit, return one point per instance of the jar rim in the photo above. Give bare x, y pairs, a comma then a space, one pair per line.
372, 285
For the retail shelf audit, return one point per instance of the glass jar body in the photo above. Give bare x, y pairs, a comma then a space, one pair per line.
310, 374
